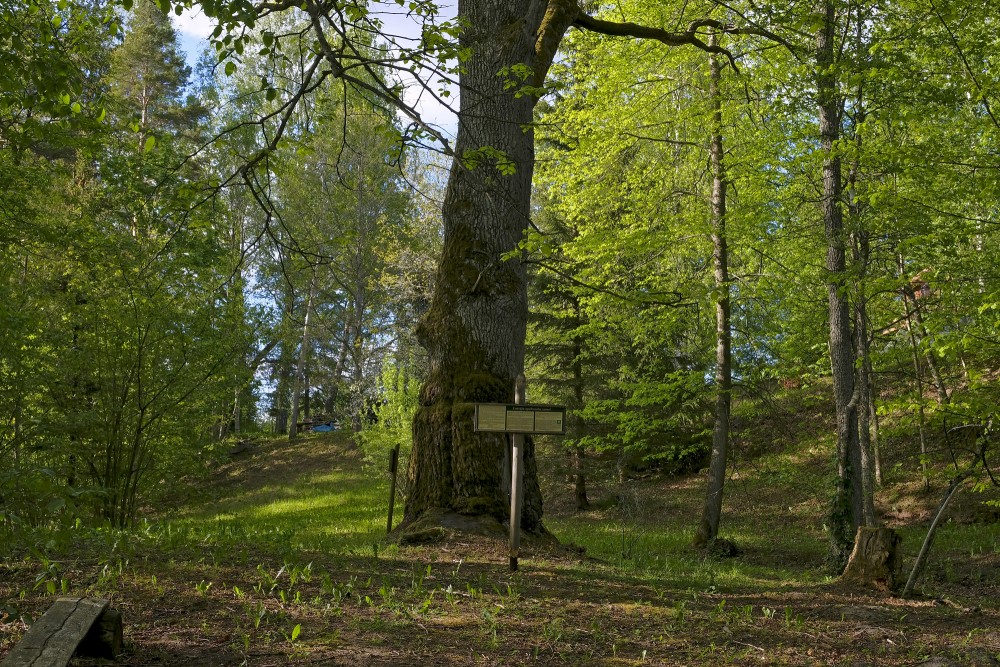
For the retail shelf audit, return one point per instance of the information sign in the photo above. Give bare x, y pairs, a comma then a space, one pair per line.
505, 418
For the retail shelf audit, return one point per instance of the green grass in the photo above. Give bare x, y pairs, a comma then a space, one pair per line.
281, 560
773, 511
334, 512
663, 552
341, 511
332, 509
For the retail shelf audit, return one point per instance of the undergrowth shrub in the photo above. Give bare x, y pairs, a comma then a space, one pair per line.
393, 423
37, 508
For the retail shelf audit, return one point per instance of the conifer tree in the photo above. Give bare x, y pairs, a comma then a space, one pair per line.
148, 72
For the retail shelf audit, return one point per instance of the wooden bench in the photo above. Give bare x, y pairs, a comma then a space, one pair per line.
85, 625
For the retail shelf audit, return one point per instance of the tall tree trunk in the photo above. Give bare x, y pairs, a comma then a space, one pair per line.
910, 299
360, 294
358, 358
708, 529
918, 332
862, 255
580, 490
847, 509
300, 370
281, 393
237, 410
918, 376
474, 331
338, 370
865, 402
876, 446
932, 366
283, 388
306, 397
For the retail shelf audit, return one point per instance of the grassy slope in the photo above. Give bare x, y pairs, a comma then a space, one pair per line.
280, 562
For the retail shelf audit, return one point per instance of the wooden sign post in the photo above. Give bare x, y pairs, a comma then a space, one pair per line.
393, 466
519, 419
516, 479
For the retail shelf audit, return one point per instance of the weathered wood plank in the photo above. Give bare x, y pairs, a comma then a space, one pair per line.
52, 639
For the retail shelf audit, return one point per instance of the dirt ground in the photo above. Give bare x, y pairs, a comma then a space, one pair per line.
457, 603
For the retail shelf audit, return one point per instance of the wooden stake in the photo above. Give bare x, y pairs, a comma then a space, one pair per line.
516, 475
393, 465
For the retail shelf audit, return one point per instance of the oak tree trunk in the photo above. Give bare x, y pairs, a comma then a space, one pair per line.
475, 327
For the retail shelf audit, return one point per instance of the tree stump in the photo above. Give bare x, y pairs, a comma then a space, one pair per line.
875, 560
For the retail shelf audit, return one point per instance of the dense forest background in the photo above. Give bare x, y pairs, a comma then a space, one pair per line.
192, 256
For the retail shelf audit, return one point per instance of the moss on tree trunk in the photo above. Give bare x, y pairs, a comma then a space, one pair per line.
475, 328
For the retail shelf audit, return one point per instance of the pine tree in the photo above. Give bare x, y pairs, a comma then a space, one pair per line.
149, 75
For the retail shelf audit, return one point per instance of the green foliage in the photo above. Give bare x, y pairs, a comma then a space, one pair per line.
393, 423
145, 279
52, 50
119, 331
661, 423
473, 157
624, 241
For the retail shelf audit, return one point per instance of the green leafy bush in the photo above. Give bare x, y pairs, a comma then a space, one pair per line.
393, 424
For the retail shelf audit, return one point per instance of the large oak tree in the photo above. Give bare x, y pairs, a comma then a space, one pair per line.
475, 329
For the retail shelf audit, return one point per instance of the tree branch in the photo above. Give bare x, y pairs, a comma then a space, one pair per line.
559, 16
688, 37
678, 298
626, 29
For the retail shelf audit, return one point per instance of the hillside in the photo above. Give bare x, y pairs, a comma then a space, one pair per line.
279, 560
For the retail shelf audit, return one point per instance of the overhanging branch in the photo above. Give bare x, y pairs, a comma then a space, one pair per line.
690, 37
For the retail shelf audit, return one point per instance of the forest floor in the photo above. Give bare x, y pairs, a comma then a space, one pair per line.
279, 560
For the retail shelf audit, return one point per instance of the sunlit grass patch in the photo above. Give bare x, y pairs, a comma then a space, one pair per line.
337, 508
773, 512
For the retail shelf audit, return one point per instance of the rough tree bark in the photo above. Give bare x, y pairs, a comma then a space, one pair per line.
861, 245
875, 558
847, 511
474, 331
708, 529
